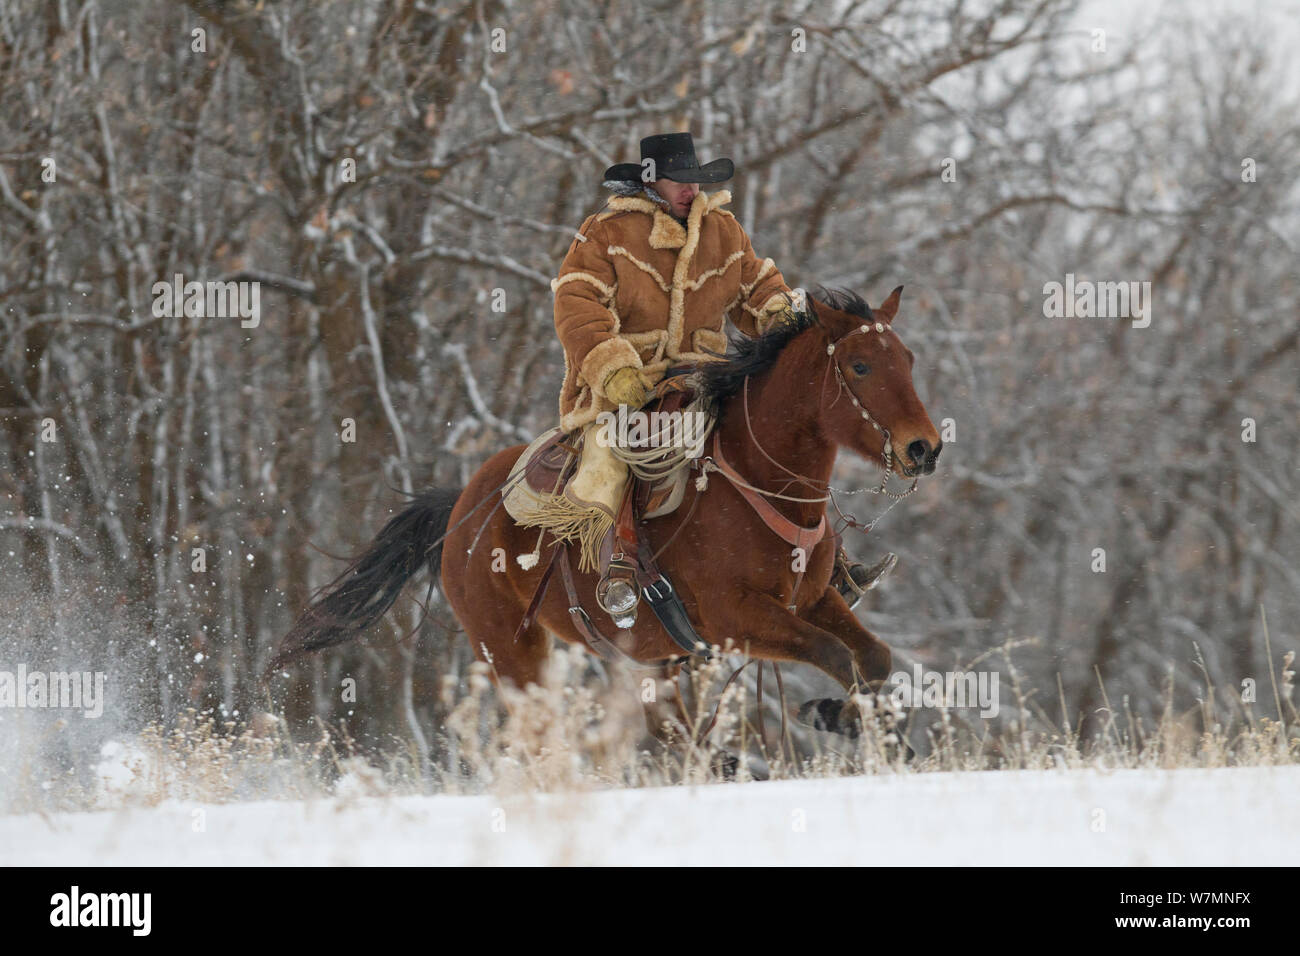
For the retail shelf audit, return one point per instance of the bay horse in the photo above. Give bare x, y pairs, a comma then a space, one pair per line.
835, 376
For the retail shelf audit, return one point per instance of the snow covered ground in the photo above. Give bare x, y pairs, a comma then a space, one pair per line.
1129, 817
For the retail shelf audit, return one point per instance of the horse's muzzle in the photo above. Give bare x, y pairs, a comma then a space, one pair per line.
921, 458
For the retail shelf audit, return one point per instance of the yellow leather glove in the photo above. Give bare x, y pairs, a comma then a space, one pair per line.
625, 387
775, 309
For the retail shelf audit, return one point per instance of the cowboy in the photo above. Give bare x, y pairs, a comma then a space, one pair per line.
646, 285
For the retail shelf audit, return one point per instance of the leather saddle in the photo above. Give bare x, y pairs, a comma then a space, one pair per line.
550, 462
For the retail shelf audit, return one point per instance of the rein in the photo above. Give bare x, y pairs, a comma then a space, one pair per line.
783, 527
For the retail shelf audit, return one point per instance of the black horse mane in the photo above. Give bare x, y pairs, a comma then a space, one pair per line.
844, 300
746, 356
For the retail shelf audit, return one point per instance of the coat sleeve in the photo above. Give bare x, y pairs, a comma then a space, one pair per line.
761, 287
584, 318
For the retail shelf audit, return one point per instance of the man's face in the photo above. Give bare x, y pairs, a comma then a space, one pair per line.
679, 195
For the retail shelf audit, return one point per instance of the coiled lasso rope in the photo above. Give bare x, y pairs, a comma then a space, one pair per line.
665, 451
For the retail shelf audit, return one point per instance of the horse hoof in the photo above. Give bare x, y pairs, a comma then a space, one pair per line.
725, 765
842, 717
833, 715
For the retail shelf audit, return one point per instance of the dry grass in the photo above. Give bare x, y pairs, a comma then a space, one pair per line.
582, 734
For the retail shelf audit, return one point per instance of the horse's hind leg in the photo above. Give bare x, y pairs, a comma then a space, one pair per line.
670, 727
484, 586
491, 624
664, 716
489, 610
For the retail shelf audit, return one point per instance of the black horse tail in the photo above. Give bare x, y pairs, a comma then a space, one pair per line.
343, 609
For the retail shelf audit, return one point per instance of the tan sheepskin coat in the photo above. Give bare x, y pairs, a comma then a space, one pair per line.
638, 289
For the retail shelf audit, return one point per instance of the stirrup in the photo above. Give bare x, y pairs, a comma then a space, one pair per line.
617, 592
854, 580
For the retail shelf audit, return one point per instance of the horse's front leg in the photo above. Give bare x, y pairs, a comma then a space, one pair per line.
870, 654
767, 629
871, 658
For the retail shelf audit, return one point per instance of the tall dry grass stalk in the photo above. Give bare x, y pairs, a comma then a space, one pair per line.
578, 733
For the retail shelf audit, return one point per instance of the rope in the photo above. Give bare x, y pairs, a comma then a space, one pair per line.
707, 465
664, 457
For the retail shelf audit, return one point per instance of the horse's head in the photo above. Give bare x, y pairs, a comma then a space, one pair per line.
867, 391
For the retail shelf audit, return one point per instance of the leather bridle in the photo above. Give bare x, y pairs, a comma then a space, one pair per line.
887, 449
794, 534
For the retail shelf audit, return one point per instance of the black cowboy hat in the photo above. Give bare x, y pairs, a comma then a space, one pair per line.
674, 158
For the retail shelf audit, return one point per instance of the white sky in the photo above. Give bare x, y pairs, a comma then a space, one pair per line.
1279, 19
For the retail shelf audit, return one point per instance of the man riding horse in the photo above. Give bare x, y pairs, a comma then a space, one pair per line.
646, 286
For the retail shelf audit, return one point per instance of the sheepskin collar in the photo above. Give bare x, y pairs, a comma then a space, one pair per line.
640, 190
667, 232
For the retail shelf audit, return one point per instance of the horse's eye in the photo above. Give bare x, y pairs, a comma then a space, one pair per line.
860, 368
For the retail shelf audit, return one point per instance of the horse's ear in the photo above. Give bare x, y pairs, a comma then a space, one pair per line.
886, 311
